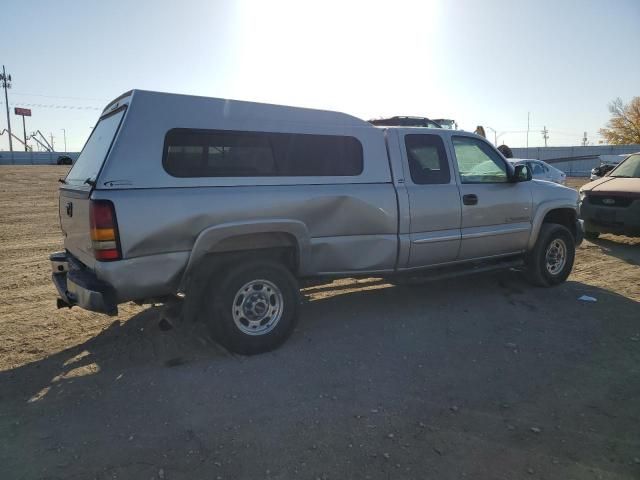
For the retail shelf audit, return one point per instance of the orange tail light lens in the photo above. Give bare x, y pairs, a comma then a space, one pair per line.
104, 231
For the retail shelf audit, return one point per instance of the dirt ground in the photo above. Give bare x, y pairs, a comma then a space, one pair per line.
483, 377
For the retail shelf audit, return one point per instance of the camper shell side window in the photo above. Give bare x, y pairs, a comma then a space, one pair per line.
226, 153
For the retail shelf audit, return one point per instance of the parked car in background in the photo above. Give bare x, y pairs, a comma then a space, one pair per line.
64, 160
447, 123
607, 163
226, 204
611, 204
403, 121
601, 171
542, 170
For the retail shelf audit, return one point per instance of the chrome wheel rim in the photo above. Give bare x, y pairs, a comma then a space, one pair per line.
556, 256
257, 307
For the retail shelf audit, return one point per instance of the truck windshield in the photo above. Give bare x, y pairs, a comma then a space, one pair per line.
630, 168
95, 150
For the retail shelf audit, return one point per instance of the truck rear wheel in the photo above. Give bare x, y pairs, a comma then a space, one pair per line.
254, 307
551, 260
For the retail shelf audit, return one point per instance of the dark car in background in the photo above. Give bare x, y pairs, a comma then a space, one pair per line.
611, 204
601, 170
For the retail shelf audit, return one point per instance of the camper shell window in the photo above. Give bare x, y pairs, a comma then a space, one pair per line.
95, 151
224, 153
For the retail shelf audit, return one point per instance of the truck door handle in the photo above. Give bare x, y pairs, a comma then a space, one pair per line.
470, 199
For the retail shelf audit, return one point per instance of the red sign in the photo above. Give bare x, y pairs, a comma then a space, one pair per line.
25, 112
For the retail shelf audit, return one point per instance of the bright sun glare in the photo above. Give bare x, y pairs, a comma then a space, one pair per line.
338, 37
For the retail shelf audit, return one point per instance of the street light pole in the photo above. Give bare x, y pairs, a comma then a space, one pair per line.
6, 83
495, 136
64, 133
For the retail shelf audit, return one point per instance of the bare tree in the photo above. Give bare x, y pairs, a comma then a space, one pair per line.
624, 126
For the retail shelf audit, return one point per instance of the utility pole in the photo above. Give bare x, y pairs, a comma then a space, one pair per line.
528, 114
24, 132
6, 83
52, 137
545, 135
64, 133
585, 141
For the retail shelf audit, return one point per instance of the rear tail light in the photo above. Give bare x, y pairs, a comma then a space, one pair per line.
104, 231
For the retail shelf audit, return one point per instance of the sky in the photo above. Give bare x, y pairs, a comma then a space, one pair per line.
483, 62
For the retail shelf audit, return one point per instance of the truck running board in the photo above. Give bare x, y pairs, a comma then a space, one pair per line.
441, 273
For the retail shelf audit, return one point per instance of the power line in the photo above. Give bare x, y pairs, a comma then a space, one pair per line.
44, 105
56, 96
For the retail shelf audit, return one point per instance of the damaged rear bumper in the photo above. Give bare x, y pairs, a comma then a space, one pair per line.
79, 286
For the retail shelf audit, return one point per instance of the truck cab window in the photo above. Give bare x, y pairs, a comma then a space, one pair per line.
427, 159
478, 162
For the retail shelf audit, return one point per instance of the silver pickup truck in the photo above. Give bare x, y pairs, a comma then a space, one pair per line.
227, 204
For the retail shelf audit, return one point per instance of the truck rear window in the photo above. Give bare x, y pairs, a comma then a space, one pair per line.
223, 153
95, 151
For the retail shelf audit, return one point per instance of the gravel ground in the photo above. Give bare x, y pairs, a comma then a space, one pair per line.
481, 377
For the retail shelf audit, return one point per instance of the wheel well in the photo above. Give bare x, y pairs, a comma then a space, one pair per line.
217, 261
562, 216
220, 259
278, 246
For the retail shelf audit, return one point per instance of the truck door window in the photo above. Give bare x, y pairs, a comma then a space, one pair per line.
478, 162
427, 159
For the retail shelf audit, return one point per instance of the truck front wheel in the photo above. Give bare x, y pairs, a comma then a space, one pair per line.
551, 260
253, 307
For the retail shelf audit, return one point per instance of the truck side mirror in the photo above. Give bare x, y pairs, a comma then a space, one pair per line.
521, 173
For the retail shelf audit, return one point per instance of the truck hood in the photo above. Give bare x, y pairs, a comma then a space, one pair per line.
543, 191
613, 185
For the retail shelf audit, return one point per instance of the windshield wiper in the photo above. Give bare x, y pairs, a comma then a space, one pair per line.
621, 176
88, 181
62, 180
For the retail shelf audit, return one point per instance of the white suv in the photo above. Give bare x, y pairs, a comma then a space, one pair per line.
541, 170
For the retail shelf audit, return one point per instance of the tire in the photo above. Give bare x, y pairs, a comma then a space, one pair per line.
591, 235
551, 260
254, 307
505, 151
